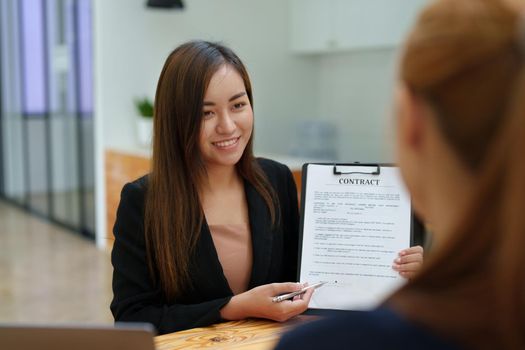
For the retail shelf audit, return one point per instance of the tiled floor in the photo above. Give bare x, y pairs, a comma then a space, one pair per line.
50, 275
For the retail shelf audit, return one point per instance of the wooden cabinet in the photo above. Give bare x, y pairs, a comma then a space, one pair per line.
120, 169
342, 25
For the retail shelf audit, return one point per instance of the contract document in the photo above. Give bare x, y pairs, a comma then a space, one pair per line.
355, 219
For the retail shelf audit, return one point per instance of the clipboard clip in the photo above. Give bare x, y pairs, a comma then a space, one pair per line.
377, 170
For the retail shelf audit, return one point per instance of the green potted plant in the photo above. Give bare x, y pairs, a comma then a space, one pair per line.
144, 108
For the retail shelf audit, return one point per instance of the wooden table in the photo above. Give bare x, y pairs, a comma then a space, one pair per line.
244, 334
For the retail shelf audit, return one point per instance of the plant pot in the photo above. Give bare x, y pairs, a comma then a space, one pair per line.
144, 131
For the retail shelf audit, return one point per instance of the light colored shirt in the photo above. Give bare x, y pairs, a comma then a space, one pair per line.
234, 248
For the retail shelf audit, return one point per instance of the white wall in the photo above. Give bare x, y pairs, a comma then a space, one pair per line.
356, 93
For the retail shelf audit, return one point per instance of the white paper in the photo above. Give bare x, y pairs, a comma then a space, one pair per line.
354, 226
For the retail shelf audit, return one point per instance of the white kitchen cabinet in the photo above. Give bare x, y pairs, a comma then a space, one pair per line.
323, 26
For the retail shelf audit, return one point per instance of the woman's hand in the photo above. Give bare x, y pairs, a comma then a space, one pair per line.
409, 261
257, 302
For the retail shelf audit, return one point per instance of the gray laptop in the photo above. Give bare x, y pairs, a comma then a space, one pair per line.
32, 337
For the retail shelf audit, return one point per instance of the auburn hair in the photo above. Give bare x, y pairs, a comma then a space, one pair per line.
173, 214
465, 58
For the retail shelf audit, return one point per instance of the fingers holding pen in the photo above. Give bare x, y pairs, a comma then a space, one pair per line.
295, 306
286, 287
286, 309
258, 302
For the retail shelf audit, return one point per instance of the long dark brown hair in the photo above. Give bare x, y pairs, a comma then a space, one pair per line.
173, 214
465, 58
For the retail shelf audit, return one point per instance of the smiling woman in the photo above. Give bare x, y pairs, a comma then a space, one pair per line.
211, 231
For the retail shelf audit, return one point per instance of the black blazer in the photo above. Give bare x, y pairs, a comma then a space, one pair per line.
137, 299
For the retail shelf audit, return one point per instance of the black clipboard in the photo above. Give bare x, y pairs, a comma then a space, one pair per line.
417, 231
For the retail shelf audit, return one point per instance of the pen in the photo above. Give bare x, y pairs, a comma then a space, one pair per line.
279, 298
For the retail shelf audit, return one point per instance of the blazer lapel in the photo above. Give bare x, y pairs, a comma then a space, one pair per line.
262, 235
210, 276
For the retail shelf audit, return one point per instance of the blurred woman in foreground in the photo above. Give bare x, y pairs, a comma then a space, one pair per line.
461, 145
